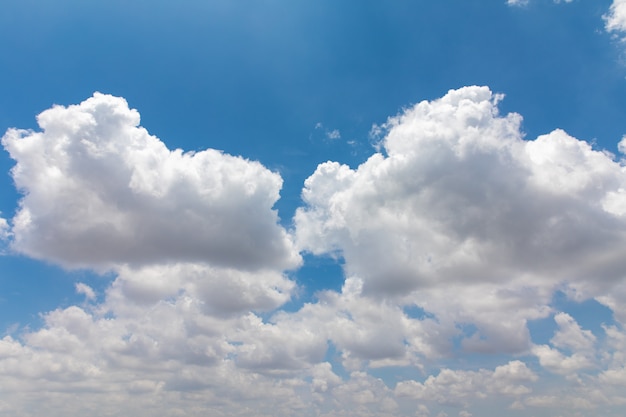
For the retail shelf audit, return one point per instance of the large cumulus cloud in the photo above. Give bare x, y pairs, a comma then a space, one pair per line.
99, 191
462, 216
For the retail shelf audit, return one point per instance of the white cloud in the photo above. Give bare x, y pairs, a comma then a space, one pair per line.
616, 301
153, 354
464, 218
333, 134
571, 336
453, 239
573, 348
460, 388
221, 291
85, 289
368, 333
621, 146
521, 3
559, 363
364, 390
615, 20
614, 376
330, 134
99, 191
5, 234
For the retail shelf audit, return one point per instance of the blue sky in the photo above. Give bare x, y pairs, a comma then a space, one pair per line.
321, 208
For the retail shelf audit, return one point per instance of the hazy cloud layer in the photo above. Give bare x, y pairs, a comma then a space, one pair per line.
455, 236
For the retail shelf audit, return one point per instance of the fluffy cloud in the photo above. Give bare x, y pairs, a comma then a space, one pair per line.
168, 353
464, 218
86, 290
461, 387
615, 20
573, 348
368, 333
100, 191
221, 291
571, 336
196, 250
454, 236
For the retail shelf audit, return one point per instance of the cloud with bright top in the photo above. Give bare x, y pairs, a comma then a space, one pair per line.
99, 191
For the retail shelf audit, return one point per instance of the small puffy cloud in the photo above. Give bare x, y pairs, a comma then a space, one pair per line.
615, 20
621, 146
571, 336
86, 290
573, 348
333, 134
555, 361
99, 191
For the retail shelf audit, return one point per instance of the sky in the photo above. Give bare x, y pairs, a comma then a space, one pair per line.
324, 208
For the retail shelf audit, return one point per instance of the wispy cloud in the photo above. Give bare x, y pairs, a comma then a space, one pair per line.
518, 3
332, 134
